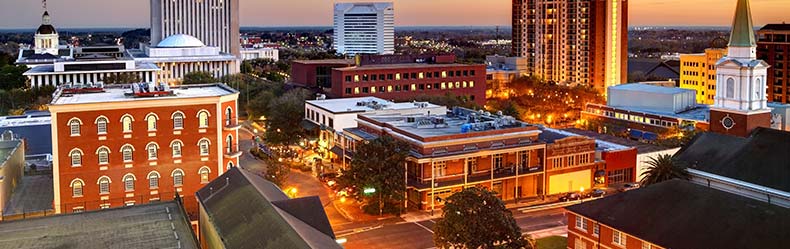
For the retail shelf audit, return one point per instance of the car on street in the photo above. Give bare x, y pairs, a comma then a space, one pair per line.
572, 196
628, 186
597, 193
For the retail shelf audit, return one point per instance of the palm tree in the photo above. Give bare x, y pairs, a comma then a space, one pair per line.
663, 167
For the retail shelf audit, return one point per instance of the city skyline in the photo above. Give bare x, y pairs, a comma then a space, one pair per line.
26, 14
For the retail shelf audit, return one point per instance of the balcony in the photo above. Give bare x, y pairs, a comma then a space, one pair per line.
480, 176
232, 152
231, 125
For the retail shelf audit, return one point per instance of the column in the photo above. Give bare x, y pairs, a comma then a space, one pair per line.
433, 198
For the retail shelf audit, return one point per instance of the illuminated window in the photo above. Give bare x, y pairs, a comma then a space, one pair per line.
444, 85
444, 74
389, 88
356, 90
421, 75
126, 120
356, 78
151, 120
76, 187
203, 118
203, 172
397, 76
471, 84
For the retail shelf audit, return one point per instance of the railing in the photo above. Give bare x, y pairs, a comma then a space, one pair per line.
231, 124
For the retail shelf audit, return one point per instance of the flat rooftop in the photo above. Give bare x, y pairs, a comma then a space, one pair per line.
641, 148
458, 121
550, 135
365, 104
117, 93
639, 87
25, 120
698, 113
161, 225
326, 61
406, 66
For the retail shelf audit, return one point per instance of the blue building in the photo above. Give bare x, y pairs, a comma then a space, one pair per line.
34, 128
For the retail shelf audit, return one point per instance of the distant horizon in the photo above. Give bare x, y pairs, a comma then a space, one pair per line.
397, 26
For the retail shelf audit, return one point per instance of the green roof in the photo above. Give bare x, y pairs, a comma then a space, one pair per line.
742, 29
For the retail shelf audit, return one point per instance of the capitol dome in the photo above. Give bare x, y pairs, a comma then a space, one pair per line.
180, 41
46, 27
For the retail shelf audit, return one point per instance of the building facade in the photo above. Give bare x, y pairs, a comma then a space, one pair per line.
575, 42
500, 71
316, 73
123, 146
698, 72
181, 54
260, 53
12, 167
91, 70
215, 22
364, 28
405, 77
773, 47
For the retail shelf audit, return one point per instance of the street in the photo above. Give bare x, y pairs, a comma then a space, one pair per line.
391, 232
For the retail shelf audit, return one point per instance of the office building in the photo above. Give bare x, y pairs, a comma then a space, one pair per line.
89, 70
405, 77
364, 28
181, 54
574, 42
500, 71
215, 22
260, 53
125, 145
240, 209
773, 47
316, 74
698, 72
159, 225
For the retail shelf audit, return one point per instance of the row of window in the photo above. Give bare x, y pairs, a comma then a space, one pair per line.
618, 238
78, 185
411, 87
75, 124
127, 152
317, 117
634, 118
570, 161
408, 76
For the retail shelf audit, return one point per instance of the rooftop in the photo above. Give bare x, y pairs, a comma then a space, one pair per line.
679, 214
25, 120
757, 159
699, 113
455, 122
161, 225
776, 26
639, 87
250, 212
404, 66
326, 61
180, 41
641, 148
50, 69
365, 104
550, 135
118, 93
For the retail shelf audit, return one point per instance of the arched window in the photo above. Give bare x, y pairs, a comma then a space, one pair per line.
104, 185
230, 164
758, 86
74, 126
128, 182
228, 115
730, 88
203, 172
153, 180
178, 177
127, 150
153, 150
76, 157
204, 146
229, 142
178, 120
103, 154
101, 125
76, 187
176, 146
150, 119
203, 118
126, 120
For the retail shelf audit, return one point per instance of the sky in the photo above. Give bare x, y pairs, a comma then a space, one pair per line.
135, 13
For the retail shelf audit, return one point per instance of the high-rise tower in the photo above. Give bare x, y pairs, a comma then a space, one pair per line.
741, 103
214, 22
364, 28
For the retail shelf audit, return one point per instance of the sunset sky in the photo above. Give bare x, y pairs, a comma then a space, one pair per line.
134, 13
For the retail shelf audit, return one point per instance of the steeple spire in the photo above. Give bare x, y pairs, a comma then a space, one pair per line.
742, 29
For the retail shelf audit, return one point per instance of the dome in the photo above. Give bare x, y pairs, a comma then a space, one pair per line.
46, 30
180, 41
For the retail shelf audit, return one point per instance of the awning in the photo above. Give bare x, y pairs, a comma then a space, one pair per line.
307, 125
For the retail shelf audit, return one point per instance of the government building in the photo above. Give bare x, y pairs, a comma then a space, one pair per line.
181, 54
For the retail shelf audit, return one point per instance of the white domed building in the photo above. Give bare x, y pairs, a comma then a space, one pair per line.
46, 47
180, 54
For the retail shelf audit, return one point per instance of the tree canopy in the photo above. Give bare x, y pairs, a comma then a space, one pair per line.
122, 78
198, 77
284, 115
476, 218
662, 168
378, 164
11, 77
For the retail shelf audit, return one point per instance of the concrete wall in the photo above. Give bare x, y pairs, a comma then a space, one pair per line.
653, 101
11, 168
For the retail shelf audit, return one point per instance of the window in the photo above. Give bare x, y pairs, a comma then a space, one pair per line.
203, 172
579, 244
104, 155
104, 185
178, 120
101, 125
498, 161
228, 116
203, 118
176, 146
76, 187
581, 223
646, 245
596, 229
440, 168
127, 123
618, 238
151, 121
204, 147
178, 177
229, 142
127, 151
730, 88
128, 182
76, 157
523, 158
152, 151
74, 126
153, 180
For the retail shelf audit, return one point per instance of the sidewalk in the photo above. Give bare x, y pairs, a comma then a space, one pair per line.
352, 210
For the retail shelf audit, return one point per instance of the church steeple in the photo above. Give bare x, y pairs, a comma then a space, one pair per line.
742, 42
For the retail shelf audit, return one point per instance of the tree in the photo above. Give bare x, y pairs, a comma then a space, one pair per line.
663, 167
199, 77
284, 118
12, 77
246, 67
476, 218
277, 172
378, 165
122, 78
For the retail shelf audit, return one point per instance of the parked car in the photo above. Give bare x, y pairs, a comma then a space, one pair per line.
629, 186
597, 193
325, 177
571, 196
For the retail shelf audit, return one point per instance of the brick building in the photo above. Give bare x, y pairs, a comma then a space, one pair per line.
773, 47
316, 73
123, 146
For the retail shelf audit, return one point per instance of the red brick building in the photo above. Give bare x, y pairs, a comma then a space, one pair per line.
116, 147
773, 47
316, 73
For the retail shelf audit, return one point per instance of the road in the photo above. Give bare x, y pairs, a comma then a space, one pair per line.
393, 232
420, 234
